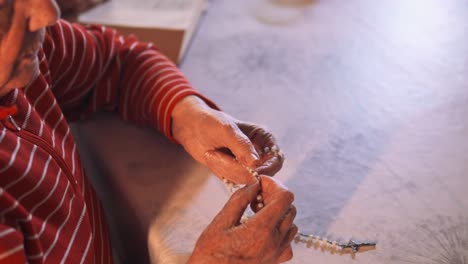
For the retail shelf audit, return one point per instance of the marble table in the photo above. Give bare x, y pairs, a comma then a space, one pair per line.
368, 100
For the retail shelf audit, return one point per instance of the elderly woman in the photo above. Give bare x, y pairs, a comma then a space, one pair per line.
52, 73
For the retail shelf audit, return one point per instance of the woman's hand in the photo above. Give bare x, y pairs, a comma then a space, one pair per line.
224, 144
263, 239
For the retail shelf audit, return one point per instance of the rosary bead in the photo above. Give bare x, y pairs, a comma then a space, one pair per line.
281, 155
310, 242
317, 239
324, 243
311, 239
244, 218
255, 174
297, 239
334, 244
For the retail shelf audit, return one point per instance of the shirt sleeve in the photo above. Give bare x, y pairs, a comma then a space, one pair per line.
94, 68
11, 246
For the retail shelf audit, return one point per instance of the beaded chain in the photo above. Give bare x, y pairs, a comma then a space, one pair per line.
309, 240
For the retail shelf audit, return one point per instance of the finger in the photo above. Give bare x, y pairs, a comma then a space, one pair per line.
286, 255
233, 210
241, 147
263, 140
259, 136
257, 204
276, 199
271, 160
270, 164
288, 220
225, 166
271, 214
270, 187
265, 143
289, 237
285, 246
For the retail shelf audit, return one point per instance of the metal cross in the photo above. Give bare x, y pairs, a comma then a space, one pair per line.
355, 245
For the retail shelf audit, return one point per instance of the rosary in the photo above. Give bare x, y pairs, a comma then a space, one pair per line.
309, 240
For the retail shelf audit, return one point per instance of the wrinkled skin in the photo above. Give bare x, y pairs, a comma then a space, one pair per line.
228, 147
263, 239
224, 144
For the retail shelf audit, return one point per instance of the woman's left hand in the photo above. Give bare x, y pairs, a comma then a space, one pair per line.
229, 147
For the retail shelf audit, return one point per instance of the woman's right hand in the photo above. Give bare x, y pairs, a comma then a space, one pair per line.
264, 238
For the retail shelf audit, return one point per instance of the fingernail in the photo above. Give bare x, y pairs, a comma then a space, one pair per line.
255, 174
255, 156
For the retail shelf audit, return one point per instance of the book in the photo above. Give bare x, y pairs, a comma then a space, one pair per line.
169, 24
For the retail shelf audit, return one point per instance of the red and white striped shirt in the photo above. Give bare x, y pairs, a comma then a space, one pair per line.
49, 213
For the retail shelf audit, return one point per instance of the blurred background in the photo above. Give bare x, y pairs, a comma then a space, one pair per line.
72, 8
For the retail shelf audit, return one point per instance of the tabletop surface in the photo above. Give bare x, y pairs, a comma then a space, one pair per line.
368, 101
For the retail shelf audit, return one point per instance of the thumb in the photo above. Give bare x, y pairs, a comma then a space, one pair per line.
241, 146
233, 210
225, 166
